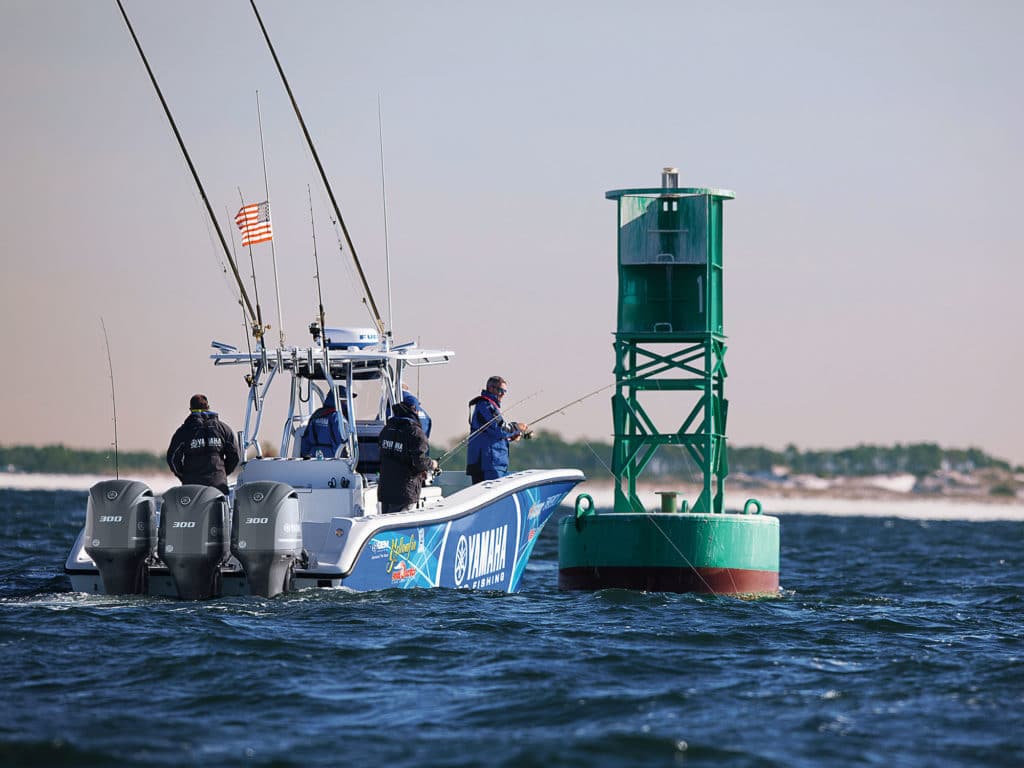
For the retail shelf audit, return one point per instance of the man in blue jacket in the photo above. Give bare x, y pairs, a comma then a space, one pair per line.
325, 430
490, 434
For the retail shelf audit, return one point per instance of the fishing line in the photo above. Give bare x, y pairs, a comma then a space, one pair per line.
685, 558
475, 432
650, 516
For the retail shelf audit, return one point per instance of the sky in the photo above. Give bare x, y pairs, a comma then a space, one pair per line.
874, 259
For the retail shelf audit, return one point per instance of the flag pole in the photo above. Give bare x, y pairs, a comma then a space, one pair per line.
273, 250
252, 267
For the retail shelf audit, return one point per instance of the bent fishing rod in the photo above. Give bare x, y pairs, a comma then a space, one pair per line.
374, 313
195, 175
486, 424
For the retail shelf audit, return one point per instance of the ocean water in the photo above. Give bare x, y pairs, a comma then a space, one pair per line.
894, 643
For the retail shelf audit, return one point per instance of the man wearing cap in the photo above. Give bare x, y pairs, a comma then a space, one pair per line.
202, 450
490, 434
404, 462
325, 431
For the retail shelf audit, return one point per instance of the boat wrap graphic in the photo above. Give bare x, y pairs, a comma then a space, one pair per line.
487, 548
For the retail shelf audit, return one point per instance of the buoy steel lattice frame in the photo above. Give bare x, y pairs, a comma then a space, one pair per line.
670, 335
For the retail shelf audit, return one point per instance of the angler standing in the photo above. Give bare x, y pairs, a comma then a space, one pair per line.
202, 450
490, 434
404, 462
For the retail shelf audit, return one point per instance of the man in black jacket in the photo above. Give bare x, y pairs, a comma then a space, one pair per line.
404, 462
202, 450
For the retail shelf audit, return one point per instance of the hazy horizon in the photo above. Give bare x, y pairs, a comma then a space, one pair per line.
872, 256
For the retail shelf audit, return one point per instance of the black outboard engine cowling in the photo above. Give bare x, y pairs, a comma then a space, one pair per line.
266, 535
119, 535
193, 540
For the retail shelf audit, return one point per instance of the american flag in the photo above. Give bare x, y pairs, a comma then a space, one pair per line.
254, 221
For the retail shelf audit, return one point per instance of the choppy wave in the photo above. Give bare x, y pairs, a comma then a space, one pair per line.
895, 642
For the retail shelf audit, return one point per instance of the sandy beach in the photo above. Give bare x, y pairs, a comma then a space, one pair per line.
827, 501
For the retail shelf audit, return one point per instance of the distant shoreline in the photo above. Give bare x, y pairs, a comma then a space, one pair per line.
834, 501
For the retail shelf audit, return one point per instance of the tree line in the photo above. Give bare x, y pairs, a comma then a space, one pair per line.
548, 449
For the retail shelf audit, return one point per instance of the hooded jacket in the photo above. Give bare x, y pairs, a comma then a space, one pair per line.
403, 458
324, 432
488, 445
203, 451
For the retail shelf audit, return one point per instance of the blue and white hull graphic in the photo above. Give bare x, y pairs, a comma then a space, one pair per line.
307, 532
481, 538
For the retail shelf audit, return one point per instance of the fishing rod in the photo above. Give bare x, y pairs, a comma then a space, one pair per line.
375, 313
273, 249
316, 263
476, 432
384, 201
192, 168
539, 419
529, 433
252, 274
319, 293
251, 379
113, 400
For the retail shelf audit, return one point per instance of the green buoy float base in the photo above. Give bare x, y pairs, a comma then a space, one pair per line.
713, 553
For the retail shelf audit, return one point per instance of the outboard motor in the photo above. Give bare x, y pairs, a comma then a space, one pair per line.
119, 522
266, 535
193, 540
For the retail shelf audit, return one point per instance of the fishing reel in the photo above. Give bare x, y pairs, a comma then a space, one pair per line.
314, 330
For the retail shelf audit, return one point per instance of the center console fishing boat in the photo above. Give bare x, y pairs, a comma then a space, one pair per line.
292, 522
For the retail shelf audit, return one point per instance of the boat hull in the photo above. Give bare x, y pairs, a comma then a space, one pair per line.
481, 537
682, 552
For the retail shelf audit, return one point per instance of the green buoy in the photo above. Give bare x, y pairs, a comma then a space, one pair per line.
670, 343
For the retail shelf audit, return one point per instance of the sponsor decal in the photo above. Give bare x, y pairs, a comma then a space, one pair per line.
400, 548
379, 548
402, 571
198, 443
534, 514
480, 558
